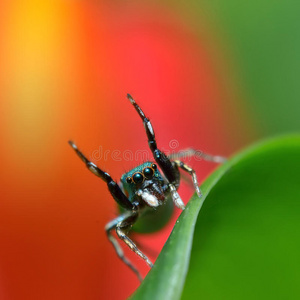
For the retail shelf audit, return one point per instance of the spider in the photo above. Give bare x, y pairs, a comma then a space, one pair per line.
146, 195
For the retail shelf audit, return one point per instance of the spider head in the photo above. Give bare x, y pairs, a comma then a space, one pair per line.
146, 183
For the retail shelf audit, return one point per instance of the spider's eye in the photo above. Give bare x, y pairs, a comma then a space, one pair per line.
154, 166
129, 179
148, 172
138, 177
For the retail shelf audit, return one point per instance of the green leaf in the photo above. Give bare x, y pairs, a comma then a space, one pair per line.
246, 243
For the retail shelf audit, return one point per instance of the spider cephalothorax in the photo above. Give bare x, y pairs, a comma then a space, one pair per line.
146, 194
145, 184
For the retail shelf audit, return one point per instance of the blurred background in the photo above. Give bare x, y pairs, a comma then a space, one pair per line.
213, 75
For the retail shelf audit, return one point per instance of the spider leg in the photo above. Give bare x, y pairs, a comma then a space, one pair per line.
192, 172
113, 187
108, 228
169, 170
193, 152
122, 228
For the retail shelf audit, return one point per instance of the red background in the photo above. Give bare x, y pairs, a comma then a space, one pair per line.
65, 71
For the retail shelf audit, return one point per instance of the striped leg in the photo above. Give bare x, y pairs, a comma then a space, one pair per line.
108, 228
192, 152
113, 187
122, 229
192, 172
160, 157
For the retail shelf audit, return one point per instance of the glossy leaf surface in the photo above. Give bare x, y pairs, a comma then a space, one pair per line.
244, 244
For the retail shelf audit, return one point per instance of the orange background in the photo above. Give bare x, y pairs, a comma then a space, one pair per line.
65, 70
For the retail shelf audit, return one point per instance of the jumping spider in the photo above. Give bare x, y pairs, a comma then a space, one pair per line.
146, 189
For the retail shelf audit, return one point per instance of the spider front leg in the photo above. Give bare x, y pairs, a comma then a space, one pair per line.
113, 187
170, 170
161, 158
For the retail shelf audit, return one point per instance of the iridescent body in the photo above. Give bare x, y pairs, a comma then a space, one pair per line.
151, 219
154, 180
